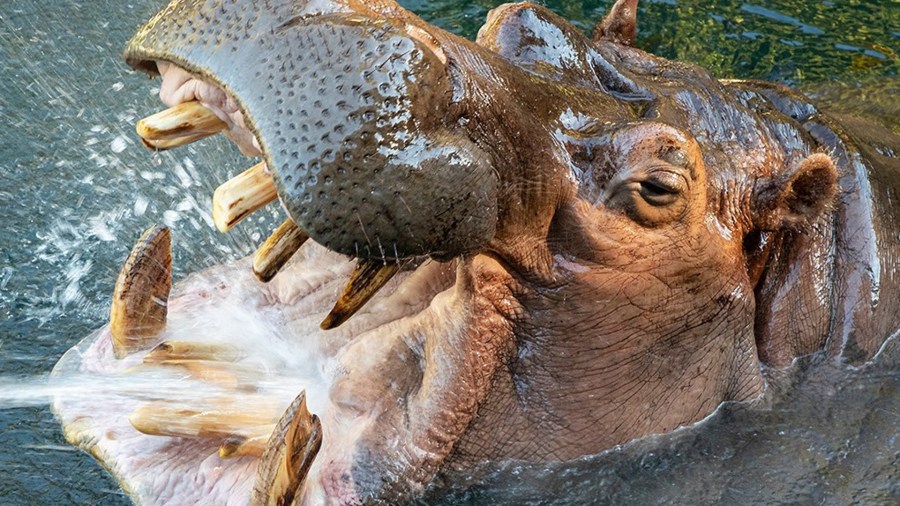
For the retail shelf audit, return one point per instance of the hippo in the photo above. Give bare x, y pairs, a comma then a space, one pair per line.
534, 246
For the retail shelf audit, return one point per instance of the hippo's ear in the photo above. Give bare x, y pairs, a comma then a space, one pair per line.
795, 199
620, 24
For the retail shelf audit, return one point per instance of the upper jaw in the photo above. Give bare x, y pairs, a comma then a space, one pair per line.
198, 109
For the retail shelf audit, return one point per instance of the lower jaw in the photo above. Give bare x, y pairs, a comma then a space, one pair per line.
276, 350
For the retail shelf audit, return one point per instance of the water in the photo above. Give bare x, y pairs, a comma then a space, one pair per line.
76, 191
37, 392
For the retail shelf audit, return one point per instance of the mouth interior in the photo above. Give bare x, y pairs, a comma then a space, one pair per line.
180, 86
161, 423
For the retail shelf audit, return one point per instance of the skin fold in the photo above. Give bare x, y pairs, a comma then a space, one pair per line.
602, 244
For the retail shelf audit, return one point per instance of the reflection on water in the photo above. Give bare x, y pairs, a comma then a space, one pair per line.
76, 190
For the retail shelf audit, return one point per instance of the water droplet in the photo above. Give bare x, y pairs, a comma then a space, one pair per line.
140, 205
118, 144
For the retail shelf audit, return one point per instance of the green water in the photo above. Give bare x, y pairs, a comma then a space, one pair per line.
76, 190
791, 41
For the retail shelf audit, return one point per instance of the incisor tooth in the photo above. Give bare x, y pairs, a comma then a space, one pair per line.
140, 299
187, 350
162, 419
241, 195
288, 456
226, 374
277, 250
368, 277
164, 144
176, 126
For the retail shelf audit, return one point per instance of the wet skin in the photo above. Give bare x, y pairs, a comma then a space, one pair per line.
599, 244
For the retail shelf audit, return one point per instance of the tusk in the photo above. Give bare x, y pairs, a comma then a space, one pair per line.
277, 250
187, 350
253, 446
176, 126
161, 419
288, 456
368, 277
140, 299
241, 195
164, 144
222, 373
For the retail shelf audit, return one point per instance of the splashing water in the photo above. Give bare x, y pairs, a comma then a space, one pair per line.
78, 388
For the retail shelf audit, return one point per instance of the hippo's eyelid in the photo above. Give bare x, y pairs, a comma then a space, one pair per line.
672, 180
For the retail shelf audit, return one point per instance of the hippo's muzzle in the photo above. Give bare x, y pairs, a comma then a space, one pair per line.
352, 112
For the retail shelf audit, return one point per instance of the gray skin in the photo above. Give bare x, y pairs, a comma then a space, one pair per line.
632, 238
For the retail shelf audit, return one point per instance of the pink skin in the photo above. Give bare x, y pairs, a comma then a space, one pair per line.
347, 374
179, 86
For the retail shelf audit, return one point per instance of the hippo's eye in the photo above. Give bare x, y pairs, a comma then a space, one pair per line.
661, 187
651, 197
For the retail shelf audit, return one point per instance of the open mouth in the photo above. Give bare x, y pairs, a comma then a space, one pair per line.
212, 413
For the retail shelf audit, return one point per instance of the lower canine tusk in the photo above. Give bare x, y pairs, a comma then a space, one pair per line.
288, 456
176, 126
140, 298
368, 277
241, 195
277, 250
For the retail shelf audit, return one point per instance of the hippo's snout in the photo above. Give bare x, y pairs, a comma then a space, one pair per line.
361, 161
354, 115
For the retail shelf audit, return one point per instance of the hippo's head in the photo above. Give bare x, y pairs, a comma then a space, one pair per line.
569, 235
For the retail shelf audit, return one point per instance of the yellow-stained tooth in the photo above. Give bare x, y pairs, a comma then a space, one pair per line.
188, 350
241, 195
225, 374
277, 250
288, 455
161, 419
140, 298
176, 126
368, 277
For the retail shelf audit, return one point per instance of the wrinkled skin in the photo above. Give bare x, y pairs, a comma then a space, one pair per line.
615, 243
